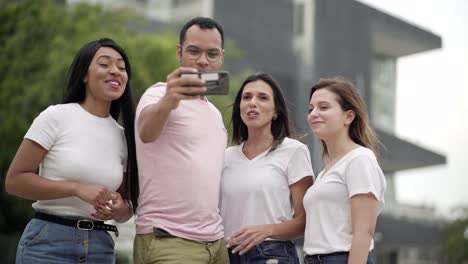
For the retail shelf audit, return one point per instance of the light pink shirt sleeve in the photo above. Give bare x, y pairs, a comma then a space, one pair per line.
151, 96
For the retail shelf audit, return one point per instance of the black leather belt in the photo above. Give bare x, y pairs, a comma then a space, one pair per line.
81, 224
320, 256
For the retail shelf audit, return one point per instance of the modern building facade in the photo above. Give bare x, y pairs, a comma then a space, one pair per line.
299, 41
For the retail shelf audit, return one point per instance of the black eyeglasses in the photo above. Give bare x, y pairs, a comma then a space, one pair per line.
194, 53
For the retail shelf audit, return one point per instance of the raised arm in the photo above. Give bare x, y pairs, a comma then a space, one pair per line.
154, 117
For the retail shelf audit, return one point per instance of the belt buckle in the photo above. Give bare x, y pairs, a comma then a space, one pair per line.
84, 221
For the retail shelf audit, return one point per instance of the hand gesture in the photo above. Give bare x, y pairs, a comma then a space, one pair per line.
248, 237
116, 209
185, 88
93, 194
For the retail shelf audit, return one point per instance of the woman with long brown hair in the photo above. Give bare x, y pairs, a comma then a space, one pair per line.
265, 176
343, 204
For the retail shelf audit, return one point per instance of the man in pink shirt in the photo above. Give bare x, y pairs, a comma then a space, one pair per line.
180, 142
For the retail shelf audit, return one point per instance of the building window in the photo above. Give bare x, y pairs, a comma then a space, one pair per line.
298, 18
178, 3
383, 89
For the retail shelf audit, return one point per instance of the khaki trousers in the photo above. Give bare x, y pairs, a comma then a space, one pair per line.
149, 249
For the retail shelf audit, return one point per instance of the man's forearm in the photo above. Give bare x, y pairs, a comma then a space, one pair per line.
152, 121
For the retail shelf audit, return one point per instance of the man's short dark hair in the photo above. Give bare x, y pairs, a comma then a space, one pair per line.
203, 23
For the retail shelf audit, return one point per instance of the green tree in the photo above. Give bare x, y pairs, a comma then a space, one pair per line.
38, 40
455, 242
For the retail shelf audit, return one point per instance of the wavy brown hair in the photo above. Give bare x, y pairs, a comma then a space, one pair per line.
349, 98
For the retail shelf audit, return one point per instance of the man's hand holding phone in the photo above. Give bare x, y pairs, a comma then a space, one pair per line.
216, 83
182, 88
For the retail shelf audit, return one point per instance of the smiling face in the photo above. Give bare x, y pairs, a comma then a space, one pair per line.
326, 117
107, 77
257, 105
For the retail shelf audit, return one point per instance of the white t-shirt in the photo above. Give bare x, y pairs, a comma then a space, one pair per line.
256, 192
328, 201
82, 148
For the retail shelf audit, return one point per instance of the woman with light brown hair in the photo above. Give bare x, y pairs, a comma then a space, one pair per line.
343, 204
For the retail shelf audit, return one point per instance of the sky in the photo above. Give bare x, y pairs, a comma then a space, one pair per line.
432, 102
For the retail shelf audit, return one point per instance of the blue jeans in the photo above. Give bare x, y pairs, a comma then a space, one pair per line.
44, 242
270, 252
334, 258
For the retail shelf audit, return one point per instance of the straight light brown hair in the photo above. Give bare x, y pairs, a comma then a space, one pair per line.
349, 98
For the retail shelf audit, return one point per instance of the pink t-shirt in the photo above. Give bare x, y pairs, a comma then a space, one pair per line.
180, 172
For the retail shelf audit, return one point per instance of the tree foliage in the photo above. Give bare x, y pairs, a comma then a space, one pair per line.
455, 242
38, 40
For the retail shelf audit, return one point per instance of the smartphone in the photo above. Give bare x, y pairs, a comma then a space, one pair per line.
217, 83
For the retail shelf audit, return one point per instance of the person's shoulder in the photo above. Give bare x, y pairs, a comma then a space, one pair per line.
233, 148
291, 143
59, 109
361, 153
116, 124
213, 107
232, 152
56, 115
155, 89
159, 86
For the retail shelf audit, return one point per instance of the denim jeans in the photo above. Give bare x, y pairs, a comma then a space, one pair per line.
269, 252
334, 259
45, 242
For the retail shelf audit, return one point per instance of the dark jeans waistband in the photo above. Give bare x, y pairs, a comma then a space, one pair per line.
279, 242
322, 256
283, 251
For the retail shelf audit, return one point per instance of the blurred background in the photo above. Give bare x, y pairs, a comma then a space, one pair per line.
408, 59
